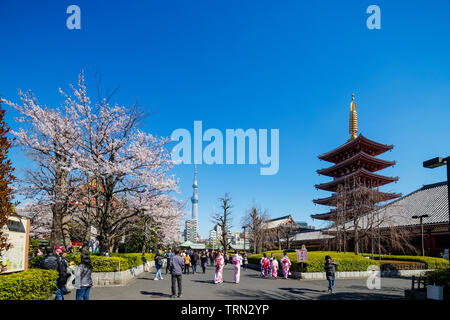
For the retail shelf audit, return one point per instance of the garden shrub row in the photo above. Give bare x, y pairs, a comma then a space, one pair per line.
438, 277
113, 263
33, 284
316, 260
430, 262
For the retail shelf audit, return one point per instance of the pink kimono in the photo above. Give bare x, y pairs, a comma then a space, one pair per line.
274, 268
285, 264
237, 260
219, 270
265, 265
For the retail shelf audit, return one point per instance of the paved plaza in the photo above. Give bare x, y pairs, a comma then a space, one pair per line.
200, 286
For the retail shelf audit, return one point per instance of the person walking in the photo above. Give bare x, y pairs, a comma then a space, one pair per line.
203, 261
219, 263
245, 261
176, 271
187, 263
194, 260
330, 271
237, 260
168, 255
158, 265
274, 267
285, 265
83, 278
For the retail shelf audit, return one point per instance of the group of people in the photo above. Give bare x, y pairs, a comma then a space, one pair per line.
180, 262
79, 277
270, 266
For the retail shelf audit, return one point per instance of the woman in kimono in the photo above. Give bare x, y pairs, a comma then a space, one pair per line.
265, 265
237, 261
219, 268
274, 267
285, 265
270, 265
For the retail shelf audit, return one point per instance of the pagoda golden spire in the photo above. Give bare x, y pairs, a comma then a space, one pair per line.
353, 124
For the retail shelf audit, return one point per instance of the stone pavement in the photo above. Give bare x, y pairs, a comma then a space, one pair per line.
200, 286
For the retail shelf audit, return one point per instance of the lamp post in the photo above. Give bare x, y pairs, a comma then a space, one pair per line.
437, 162
244, 227
421, 227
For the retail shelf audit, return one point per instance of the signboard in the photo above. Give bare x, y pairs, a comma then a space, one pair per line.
16, 230
302, 255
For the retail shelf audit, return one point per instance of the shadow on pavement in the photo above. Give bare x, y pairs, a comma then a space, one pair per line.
155, 294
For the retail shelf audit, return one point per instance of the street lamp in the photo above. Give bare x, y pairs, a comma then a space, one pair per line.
244, 227
437, 162
421, 226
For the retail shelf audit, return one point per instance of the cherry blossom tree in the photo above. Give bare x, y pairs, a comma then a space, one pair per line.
129, 166
98, 145
40, 219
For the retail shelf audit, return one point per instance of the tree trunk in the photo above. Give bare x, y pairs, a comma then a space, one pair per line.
56, 234
66, 233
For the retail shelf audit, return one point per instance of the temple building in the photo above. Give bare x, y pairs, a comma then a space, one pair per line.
353, 169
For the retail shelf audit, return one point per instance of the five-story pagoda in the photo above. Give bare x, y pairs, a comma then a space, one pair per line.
354, 168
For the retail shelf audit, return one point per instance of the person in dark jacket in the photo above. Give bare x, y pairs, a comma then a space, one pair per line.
330, 271
211, 258
204, 260
83, 278
176, 270
194, 260
52, 261
168, 255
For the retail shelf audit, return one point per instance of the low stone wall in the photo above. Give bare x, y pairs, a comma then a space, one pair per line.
119, 278
348, 274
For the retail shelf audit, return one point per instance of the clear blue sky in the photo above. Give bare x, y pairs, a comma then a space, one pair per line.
287, 65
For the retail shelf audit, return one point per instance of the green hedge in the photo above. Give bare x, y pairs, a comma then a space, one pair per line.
438, 277
316, 260
430, 262
33, 284
112, 263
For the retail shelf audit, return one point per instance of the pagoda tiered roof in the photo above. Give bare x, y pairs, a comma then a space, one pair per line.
359, 160
382, 196
352, 147
368, 179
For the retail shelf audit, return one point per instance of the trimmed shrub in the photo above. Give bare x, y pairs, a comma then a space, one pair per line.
113, 263
438, 277
388, 265
316, 261
430, 262
33, 284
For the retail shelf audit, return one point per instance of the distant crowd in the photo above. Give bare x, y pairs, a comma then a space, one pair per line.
178, 263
